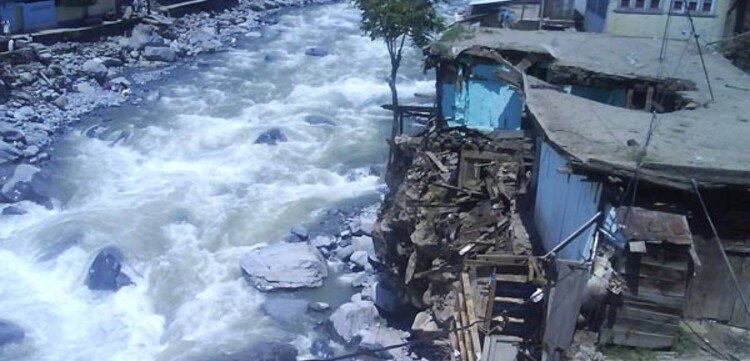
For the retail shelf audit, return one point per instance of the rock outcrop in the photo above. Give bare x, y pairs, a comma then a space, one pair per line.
285, 266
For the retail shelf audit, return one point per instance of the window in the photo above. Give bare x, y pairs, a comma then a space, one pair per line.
694, 6
644, 5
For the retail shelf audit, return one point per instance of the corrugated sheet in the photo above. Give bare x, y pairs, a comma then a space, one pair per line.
38, 15
653, 226
485, 102
563, 307
563, 203
448, 100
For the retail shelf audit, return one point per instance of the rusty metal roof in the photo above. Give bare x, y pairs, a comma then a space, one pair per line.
641, 224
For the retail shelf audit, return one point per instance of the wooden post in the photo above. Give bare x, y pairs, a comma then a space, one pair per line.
649, 98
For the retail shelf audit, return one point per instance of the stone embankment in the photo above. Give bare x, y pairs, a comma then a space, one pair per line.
44, 89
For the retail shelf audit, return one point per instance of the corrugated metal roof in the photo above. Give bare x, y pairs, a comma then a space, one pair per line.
642, 224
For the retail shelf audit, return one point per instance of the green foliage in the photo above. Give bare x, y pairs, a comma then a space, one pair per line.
624, 353
395, 20
452, 34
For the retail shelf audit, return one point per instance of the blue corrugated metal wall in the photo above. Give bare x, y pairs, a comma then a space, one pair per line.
564, 202
449, 100
39, 15
29, 16
485, 102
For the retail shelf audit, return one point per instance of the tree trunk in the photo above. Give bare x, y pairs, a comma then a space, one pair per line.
395, 127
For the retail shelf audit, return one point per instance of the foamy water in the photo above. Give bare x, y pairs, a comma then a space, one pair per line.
185, 194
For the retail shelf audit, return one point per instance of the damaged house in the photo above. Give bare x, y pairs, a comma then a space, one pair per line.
639, 193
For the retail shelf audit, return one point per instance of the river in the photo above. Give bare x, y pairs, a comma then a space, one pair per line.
179, 186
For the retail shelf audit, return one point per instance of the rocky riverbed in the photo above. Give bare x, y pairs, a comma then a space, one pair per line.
43, 89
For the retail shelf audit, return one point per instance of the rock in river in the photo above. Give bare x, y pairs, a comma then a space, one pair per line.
285, 266
10, 333
271, 137
352, 317
105, 273
159, 53
95, 68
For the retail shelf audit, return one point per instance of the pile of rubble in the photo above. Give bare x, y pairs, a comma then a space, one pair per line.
456, 197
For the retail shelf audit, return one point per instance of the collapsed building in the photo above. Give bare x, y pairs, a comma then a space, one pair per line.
573, 181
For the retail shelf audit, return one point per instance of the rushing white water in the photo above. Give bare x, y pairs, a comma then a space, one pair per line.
187, 193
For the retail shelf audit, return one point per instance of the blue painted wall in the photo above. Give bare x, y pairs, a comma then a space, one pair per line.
29, 16
39, 15
8, 10
448, 102
483, 101
564, 202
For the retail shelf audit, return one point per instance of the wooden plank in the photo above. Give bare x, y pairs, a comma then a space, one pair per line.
656, 298
633, 312
526, 63
453, 339
676, 265
513, 278
710, 280
490, 304
661, 328
649, 98
437, 162
629, 99
466, 337
739, 314
471, 312
640, 339
665, 288
518, 301
668, 273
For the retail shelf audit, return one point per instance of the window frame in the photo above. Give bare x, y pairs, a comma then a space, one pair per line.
699, 4
631, 8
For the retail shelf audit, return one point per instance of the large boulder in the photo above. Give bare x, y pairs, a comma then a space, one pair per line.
10, 333
352, 317
285, 266
159, 53
105, 273
272, 136
95, 68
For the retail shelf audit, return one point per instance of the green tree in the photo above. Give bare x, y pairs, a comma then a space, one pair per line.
395, 22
